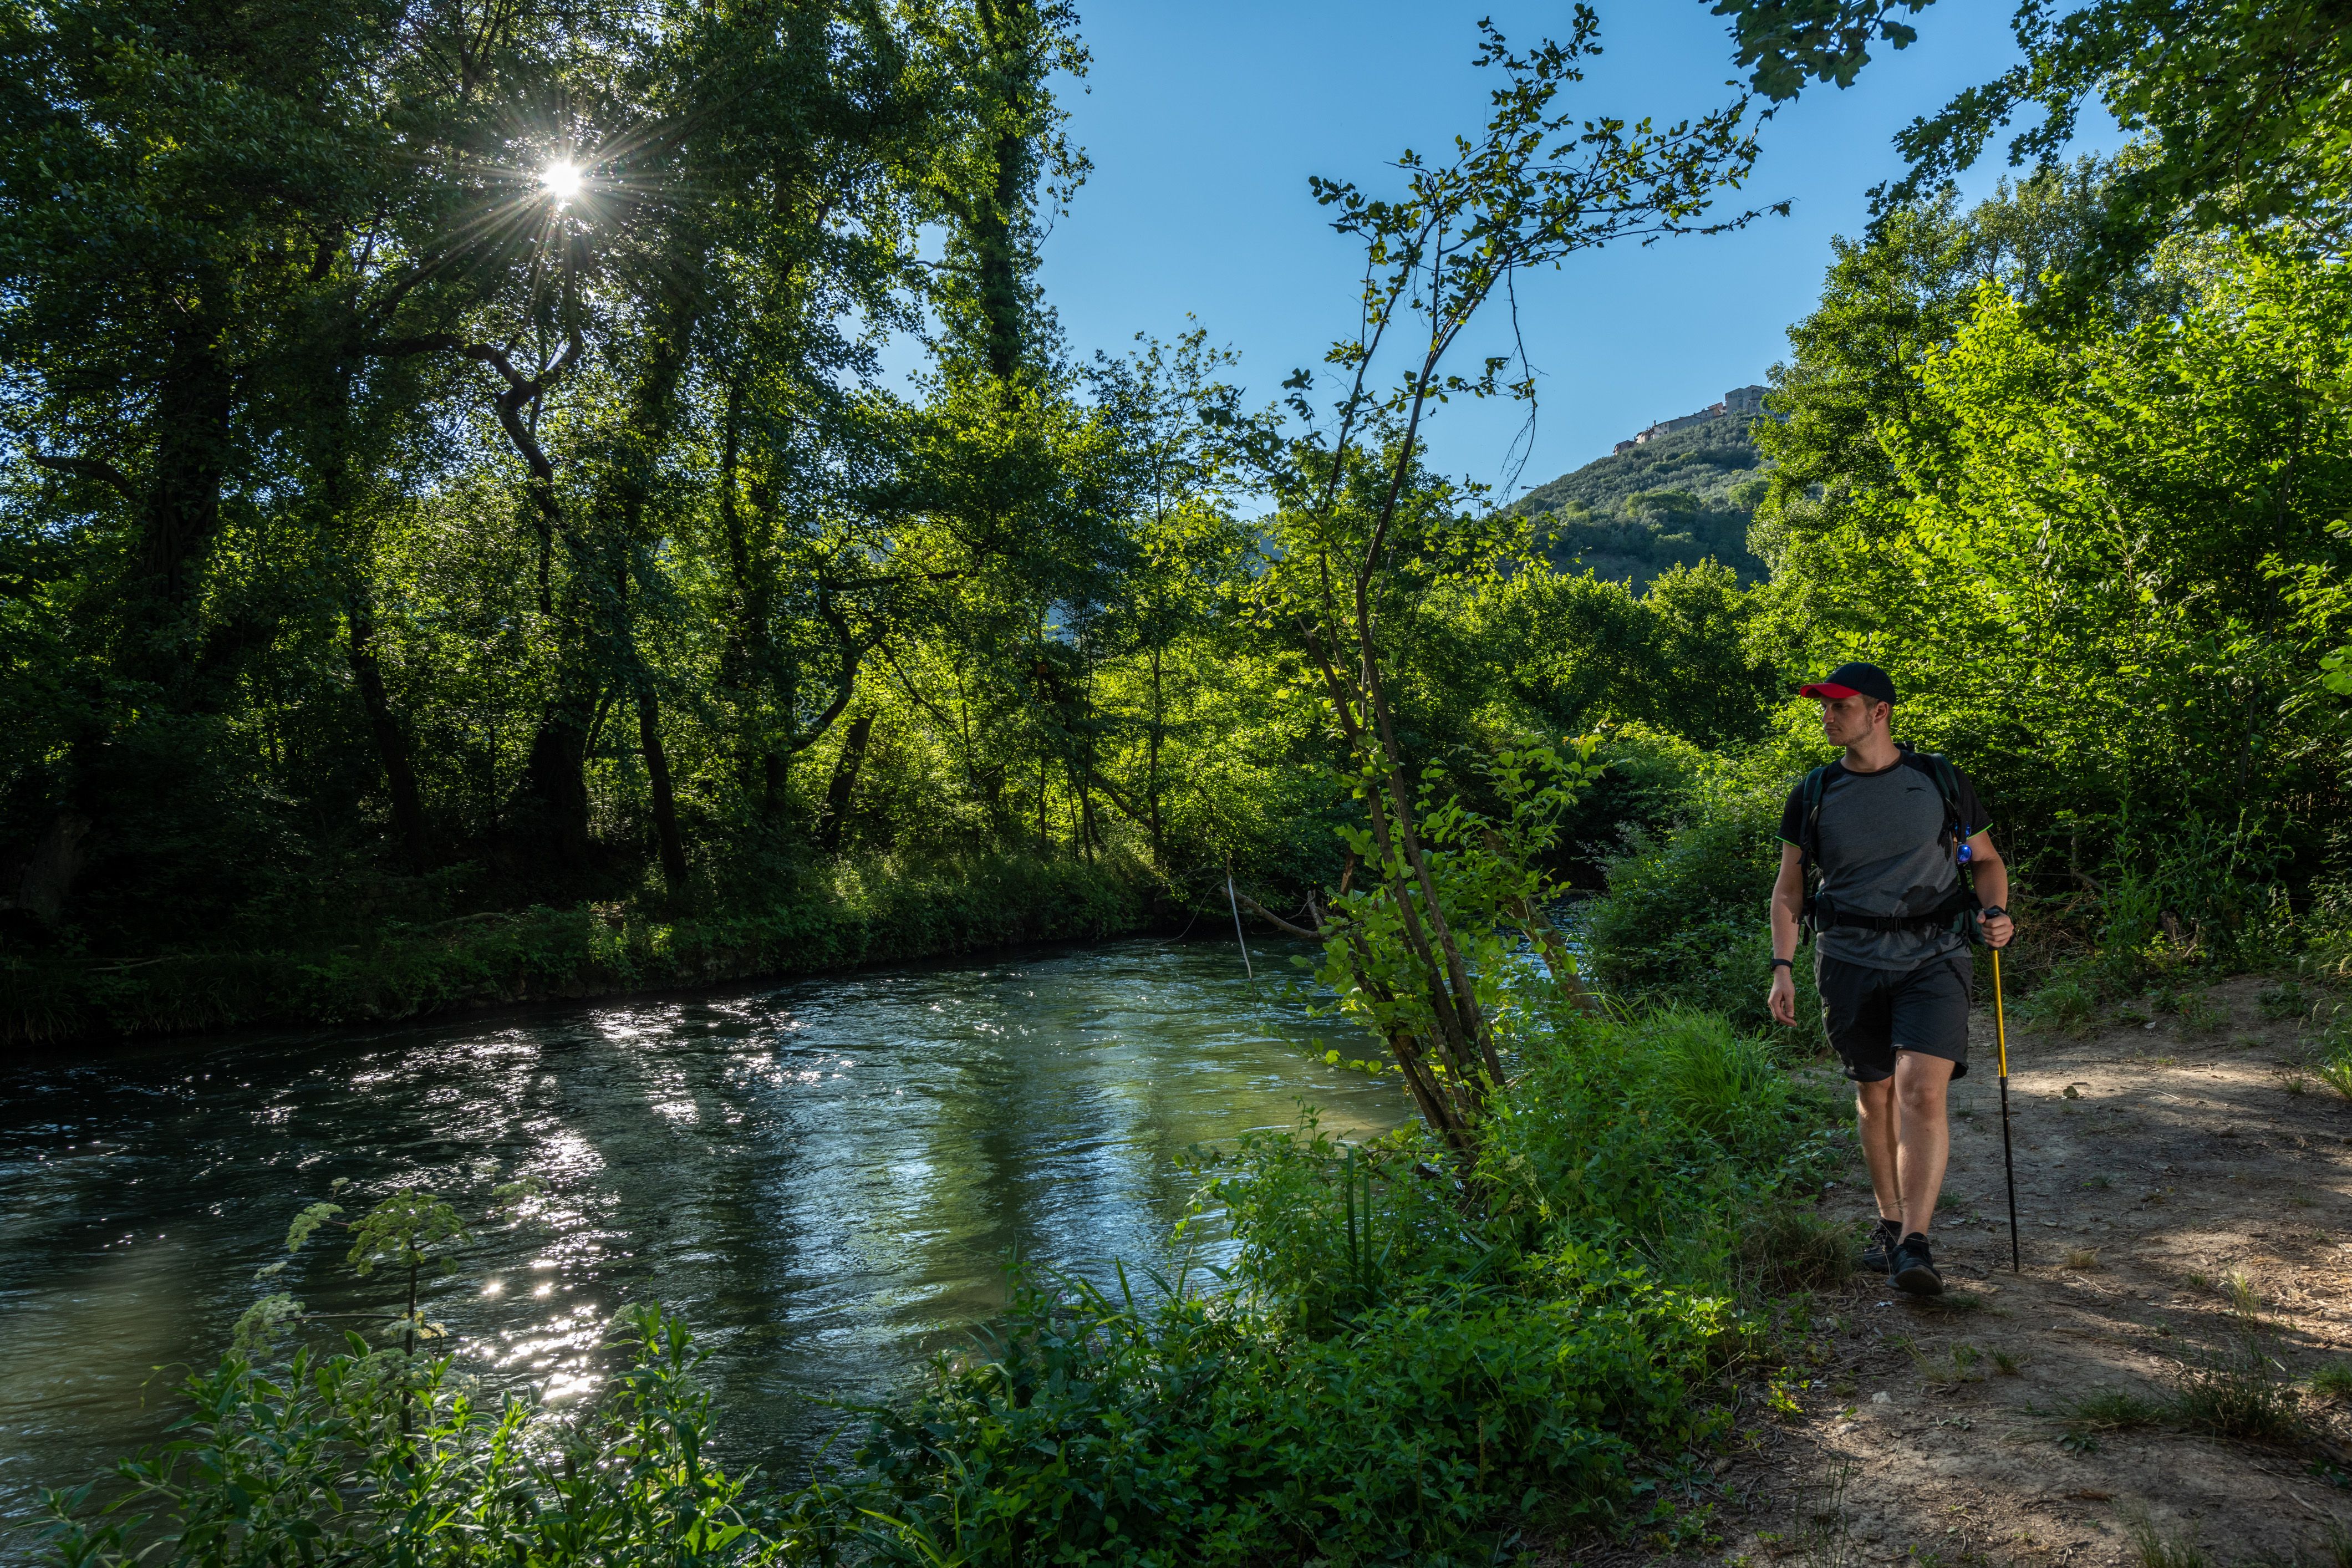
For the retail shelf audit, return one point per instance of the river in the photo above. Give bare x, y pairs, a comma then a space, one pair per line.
826, 1177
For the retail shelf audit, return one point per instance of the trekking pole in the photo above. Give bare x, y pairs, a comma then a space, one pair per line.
2008, 1162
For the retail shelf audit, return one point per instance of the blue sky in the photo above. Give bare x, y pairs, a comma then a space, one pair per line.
1204, 120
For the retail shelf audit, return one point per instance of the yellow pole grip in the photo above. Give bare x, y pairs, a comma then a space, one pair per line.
1999, 1023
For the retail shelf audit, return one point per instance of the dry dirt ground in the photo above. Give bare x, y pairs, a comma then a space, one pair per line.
2184, 1195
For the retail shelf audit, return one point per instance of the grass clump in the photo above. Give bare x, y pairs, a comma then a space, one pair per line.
2103, 1410
2238, 1388
2278, 1003
2199, 1013
1951, 1370
2333, 1378
2112, 1410
2155, 1549
1783, 1249
2066, 1003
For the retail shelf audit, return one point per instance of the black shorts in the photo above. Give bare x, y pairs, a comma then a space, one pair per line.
1871, 1014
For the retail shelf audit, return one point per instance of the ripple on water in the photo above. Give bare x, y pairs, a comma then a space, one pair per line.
825, 1177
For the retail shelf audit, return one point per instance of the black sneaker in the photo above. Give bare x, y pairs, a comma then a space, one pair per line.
1878, 1252
1913, 1269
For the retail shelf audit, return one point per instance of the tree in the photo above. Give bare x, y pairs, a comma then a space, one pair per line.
2240, 102
1359, 528
2086, 564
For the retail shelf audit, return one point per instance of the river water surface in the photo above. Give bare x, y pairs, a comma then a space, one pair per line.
826, 1177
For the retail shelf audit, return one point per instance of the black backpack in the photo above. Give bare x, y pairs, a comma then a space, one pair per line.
1958, 907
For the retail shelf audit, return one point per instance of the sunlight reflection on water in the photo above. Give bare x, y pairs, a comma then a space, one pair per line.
825, 1177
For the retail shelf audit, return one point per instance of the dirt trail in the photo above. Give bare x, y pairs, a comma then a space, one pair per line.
2163, 1172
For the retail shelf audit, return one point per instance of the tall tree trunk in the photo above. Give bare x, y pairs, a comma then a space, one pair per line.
999, 241
1151, 762
555, 789
845, 778
181, 510
551, 810
391, 738
746, 660
673, 847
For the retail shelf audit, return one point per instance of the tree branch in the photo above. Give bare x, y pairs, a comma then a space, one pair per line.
97, 469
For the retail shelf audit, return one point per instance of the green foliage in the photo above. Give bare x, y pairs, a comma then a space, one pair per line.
1684, 918
1398, 1375
866, 909
360, 1454
2094, 550
2238, 123
356, 1456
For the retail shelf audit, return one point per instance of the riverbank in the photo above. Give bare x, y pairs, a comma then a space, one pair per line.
860, 913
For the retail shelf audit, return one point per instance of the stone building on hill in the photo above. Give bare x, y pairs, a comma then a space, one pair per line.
1743, 400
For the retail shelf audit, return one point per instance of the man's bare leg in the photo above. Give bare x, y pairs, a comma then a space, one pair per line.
1923, 1137
1874, 1121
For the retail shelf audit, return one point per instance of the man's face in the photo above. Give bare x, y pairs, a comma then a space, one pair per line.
1846, 719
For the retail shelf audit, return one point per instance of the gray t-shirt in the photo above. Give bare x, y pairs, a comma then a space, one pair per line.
1880, 855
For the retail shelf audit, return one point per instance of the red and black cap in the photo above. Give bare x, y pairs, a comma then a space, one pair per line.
1852, 680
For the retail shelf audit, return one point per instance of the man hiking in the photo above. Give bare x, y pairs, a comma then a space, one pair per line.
1889, 829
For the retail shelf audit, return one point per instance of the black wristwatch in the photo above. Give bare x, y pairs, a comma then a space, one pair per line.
1787, 964
1991, 910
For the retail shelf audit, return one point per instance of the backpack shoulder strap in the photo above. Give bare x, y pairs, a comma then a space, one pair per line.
1809, 800
1938, 766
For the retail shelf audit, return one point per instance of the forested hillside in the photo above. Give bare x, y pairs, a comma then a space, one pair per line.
1678, 498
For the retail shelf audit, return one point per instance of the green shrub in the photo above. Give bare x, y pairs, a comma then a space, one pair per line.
1686, 916
1095, 1432
383, 1455
2067, 1001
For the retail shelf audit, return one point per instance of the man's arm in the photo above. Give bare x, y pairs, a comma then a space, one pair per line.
1787, 909
1993, 889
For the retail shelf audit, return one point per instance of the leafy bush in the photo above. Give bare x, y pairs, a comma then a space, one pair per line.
1398, 1375
1685, 919
366, 1454
1099, 1433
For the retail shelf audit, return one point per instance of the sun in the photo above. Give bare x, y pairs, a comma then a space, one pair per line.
561, 179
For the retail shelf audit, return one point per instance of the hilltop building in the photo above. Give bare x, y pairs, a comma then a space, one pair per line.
1747, 400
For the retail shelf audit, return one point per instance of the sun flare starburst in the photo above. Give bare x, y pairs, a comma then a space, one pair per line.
561, 179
